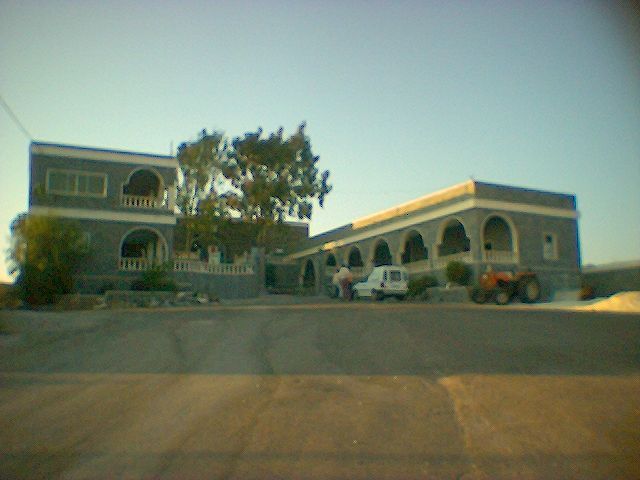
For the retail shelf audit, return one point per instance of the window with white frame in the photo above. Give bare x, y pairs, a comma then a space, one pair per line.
79, 183
549, 246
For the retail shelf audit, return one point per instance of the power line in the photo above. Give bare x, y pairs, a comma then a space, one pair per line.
15, 119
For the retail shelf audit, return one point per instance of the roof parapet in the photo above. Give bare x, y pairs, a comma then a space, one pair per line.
101, 154
465, 188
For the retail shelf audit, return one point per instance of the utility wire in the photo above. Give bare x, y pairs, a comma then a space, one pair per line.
15, 119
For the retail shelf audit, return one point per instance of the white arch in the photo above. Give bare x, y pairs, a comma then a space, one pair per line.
157, 232
445, 223
375, 244
359, 249
405, 237
161, 185
335, 259
515, 241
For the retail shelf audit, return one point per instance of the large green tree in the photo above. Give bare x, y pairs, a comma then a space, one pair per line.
260, 179
274, 177
198, 198
45, 253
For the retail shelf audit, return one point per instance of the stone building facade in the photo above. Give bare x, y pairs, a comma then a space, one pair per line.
124, 202
481, 224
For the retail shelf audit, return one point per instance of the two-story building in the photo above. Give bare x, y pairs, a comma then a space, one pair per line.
123, 201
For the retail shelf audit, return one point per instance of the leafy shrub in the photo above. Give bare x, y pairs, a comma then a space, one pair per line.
45, 253
156, 278
418, 286
458, 272
9, 296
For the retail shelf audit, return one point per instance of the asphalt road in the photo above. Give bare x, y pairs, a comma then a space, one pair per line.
320, 391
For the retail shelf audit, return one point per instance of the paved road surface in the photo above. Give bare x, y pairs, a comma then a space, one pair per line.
321, 391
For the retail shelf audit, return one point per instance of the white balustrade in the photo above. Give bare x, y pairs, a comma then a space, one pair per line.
214, 269
418, 266
139, 201
134, 264
441, 262
499, 256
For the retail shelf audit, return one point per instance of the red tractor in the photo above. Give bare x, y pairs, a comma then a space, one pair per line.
502, 287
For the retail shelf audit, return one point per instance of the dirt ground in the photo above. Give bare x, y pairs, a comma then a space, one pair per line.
320, 391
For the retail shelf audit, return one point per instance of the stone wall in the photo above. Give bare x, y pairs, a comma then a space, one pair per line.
219, 286
609, 279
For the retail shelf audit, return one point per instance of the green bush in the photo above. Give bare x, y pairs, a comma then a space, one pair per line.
45, 253
418, 286
458, 272
156, 279
9, 296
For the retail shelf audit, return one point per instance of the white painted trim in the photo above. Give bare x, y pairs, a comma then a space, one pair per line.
348, 254
439, 213
515, 237
554, 255
372, 250
443, 227
403, 242
161, 186
106, 215
77, 173
103, 155
464, 188
526, 208
146, 169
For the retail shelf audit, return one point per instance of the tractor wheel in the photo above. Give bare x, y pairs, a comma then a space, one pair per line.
502, 297
529, 290
479, 295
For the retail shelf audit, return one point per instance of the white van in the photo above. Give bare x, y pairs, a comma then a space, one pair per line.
384, 281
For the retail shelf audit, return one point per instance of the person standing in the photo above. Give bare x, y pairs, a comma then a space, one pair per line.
345, 278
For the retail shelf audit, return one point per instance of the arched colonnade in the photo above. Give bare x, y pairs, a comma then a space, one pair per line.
420, 248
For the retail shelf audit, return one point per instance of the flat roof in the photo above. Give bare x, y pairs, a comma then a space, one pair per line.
465, 195
102, 154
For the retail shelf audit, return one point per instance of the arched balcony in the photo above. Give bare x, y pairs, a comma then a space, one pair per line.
499, 242
145, 189
454, 244
414, 255
141, 248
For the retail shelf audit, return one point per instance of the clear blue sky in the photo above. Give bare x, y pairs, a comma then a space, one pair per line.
401, 98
